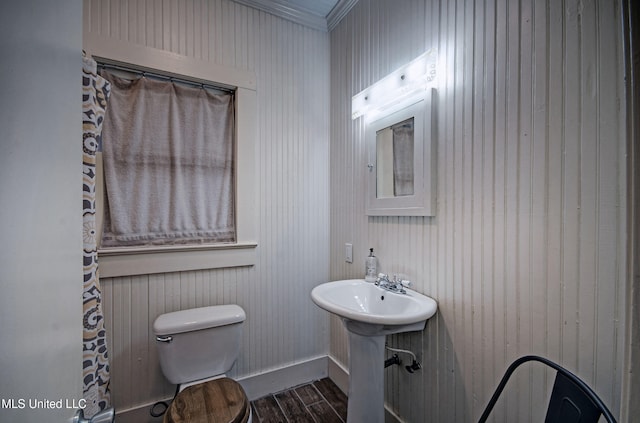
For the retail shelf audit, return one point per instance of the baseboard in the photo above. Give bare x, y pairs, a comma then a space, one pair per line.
390, 416
258, 385
339, 375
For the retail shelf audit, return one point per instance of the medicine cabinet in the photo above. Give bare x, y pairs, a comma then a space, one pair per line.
401, 160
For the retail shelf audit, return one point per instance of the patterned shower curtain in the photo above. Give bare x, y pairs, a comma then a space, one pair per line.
95, 363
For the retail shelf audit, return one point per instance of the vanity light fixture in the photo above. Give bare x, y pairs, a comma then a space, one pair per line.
396, 90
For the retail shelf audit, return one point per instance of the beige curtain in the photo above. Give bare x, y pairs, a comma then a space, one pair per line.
95, 363
169, 164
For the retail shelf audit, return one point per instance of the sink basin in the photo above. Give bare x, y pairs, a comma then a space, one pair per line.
370, 313
370, 310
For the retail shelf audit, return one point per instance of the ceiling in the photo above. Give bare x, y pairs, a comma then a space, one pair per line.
323, 15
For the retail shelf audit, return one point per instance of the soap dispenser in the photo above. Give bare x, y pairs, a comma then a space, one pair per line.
371, 267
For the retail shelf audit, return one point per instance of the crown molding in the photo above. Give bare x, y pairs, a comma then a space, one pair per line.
284, 11
338, 12
300, 15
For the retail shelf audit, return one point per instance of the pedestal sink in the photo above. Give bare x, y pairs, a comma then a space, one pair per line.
370, 313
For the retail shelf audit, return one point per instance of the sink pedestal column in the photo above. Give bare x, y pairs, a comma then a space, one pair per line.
366, 378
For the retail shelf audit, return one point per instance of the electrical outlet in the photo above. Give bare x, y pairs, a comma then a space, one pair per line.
348, 253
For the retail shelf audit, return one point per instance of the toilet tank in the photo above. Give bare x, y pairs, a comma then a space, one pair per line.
198, 343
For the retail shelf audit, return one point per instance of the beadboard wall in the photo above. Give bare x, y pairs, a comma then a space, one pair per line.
291, 64
526, 253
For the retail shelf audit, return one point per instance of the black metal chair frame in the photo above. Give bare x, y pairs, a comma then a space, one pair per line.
586, 390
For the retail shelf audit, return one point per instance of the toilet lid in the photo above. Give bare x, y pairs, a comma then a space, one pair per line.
220, 400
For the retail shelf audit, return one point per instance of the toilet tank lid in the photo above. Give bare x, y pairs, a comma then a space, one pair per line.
198, 318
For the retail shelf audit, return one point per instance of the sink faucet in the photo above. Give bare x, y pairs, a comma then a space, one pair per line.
394, 285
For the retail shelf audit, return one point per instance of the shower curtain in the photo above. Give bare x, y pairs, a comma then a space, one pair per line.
95, 363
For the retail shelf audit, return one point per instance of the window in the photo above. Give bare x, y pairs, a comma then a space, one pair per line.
160, 259
168, 153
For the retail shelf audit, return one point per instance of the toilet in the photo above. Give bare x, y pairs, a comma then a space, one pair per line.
196, 348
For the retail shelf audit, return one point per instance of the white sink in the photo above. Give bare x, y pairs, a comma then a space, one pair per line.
369, 314
370, 310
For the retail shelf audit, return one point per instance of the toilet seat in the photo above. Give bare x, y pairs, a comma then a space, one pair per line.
220, 401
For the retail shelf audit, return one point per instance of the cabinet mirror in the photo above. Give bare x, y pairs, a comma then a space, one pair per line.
400, 161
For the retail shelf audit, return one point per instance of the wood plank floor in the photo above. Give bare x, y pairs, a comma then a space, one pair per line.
318, 402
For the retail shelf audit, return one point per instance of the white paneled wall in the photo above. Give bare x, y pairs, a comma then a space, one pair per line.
291, 64
526, 251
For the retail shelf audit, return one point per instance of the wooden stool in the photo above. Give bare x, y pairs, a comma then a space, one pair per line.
217, 401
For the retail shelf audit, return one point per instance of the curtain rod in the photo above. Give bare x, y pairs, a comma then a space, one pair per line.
165, 77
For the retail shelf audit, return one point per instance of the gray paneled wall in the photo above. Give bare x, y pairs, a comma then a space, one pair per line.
291, 64
527, 251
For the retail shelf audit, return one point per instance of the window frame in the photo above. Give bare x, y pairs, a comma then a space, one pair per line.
129, 261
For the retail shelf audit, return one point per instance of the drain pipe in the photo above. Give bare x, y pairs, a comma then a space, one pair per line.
415, 365
391, 361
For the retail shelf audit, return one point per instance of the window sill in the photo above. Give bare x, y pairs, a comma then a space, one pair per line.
132, 261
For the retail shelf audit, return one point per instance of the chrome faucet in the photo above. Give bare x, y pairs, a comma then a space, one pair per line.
396, 284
